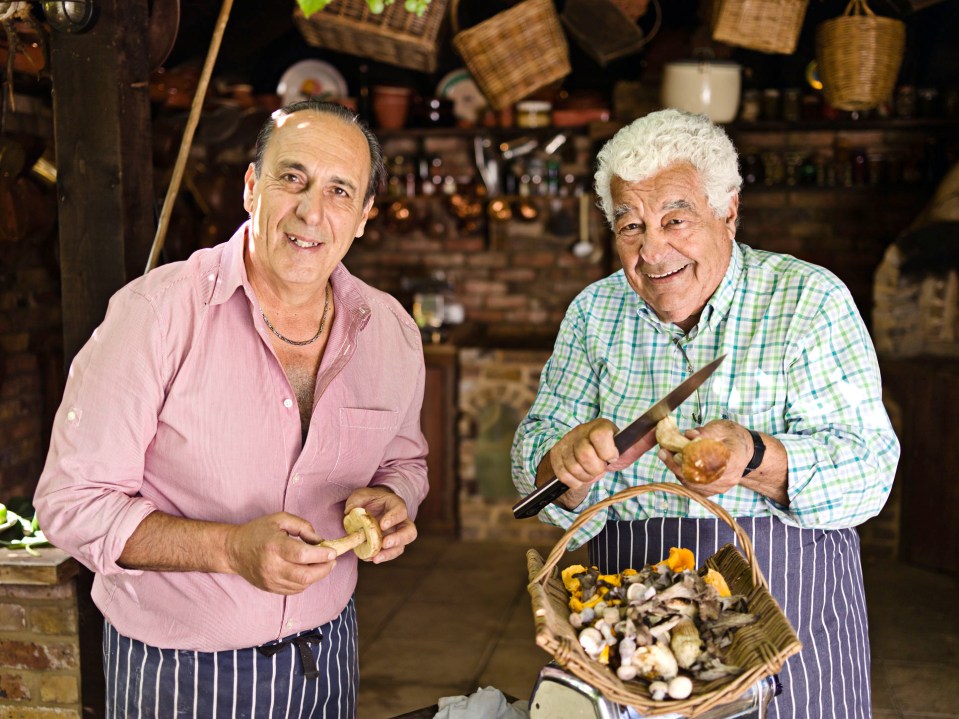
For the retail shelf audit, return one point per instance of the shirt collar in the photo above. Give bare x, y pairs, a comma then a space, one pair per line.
720, 304
232, 271
717, 307
232, 275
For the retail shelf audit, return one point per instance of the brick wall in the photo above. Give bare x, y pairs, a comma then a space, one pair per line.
31, 349
513, 276
39, 645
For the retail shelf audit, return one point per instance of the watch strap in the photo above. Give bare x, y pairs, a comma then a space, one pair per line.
759, 450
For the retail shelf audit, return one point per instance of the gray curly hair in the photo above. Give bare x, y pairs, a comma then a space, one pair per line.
661, 139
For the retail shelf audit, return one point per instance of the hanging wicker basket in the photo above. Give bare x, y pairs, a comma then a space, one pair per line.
766, 25
603, 30
514, 53
760, 649
859, 54
393, 36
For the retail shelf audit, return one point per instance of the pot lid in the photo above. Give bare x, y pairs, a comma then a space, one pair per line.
705, 61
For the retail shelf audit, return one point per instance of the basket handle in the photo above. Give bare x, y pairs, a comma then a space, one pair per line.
454, 19
859, 5
745, 545
454, 15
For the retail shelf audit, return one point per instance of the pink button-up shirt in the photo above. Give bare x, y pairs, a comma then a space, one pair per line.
179, 404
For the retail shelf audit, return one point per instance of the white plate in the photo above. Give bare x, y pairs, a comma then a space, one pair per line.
6, 525
311, 78
468, 100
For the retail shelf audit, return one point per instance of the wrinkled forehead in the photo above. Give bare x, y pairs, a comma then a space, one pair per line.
679, 183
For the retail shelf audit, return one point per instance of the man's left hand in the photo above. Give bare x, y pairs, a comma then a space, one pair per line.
391, 513
740, 445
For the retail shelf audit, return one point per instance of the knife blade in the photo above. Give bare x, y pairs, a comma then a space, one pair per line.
533, 503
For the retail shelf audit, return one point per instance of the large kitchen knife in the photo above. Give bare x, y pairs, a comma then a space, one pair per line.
533, 503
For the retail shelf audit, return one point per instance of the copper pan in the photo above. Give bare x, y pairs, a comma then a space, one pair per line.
162, 31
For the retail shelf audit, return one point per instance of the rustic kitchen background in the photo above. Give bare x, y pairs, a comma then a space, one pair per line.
485, 229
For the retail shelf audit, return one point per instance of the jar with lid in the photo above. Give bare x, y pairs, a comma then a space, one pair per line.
533, 113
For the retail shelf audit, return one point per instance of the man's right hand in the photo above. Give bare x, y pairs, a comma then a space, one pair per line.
279, 553
585, 454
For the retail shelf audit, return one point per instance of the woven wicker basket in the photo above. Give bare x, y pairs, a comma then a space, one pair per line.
859, 54
395, 36
766, 25
603, 31
514, 53
760, 649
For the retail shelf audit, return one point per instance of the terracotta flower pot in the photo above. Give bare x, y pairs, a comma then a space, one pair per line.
391, 105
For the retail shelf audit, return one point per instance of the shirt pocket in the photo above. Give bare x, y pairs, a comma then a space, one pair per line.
363, 435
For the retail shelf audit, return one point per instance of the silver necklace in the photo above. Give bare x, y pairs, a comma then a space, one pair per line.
326, 309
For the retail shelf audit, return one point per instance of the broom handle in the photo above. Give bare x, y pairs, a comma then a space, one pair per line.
187, 140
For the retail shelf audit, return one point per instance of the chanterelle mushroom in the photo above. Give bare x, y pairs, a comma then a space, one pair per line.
363, 535
703, 459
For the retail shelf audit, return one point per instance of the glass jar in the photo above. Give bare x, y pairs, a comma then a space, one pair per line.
533, 113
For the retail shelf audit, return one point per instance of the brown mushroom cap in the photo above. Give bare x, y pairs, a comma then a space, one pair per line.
358, 520
704, 460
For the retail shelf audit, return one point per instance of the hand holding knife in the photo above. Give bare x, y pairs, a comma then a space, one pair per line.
532, 504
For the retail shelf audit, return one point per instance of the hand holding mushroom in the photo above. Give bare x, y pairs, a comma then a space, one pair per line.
703, 460
363, 535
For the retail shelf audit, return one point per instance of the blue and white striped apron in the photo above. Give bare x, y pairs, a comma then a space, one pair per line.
816, 577
310, 674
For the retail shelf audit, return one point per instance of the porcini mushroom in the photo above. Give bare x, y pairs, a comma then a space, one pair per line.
703, 459
363, 535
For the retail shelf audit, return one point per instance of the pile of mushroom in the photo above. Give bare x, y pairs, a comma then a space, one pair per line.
665, 624
703, 459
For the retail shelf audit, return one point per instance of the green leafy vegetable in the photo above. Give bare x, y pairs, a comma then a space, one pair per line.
24, 530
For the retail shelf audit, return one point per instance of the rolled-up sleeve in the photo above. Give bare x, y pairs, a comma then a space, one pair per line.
86, 498
568, 396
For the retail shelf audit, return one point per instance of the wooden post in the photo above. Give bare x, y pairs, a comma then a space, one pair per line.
104, 161
101, 110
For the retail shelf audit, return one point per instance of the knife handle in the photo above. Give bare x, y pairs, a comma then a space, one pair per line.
533, 503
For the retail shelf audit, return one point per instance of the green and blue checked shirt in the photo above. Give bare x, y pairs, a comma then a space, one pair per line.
799, 366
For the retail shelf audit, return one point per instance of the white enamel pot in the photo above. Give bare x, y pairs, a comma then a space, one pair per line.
706, 87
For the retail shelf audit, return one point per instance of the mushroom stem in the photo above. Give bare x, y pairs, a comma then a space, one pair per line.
363, 535
345, 544
668, 435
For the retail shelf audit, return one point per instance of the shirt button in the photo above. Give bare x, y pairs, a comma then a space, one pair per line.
288, 403
210, 277
289, 623
296, 479
71, 415
664, 505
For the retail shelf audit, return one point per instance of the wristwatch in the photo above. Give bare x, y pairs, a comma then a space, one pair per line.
759, 449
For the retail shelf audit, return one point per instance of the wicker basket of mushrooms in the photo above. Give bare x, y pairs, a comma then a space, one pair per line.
667, 638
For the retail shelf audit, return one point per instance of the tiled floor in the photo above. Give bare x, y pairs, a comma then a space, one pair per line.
449, 617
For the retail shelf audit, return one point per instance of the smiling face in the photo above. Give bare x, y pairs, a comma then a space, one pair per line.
673, 248
307, 204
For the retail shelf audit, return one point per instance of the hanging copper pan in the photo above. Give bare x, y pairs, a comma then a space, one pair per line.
161, 33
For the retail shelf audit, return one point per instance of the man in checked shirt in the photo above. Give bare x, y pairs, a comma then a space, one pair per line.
797, 401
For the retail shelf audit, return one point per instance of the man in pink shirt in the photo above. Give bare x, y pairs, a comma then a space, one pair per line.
219, 423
